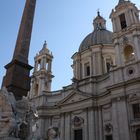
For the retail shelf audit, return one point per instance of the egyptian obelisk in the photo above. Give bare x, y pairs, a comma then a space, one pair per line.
17, 78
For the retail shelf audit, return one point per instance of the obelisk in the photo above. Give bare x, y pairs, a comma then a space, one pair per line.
17, 78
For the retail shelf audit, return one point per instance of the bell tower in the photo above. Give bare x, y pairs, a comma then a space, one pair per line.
42, 75
126, 32
17, 79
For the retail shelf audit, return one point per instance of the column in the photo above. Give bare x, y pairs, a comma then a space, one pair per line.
67, 127
134, 17
123, 120
86, 130
131, 18
91, 124
118, 26
49, 66
75, 69
41, 84
42, 133
100, 124
137, 48
105, 67
100, 61
62, 127
44, 62
114, 121
35, 88
96, 122
94, 64
83, 70
47, 125
114, 26
32, 90
128, 17
118, 55
41, 63
78, 70
36, 66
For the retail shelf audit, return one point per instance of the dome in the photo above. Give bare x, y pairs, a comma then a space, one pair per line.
100, 35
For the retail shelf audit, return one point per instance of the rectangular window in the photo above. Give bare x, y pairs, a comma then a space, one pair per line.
122, 21
87, 69
109, 137
78, 134
136, 110
138, 134
108, 67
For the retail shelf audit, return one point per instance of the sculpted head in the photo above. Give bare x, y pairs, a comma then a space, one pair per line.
52, 133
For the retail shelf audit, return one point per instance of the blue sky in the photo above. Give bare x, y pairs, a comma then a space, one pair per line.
62, 23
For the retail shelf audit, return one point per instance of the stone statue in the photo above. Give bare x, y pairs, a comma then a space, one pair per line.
33, 121
18, 119
22, 117
53, 133
14, 116
7, 117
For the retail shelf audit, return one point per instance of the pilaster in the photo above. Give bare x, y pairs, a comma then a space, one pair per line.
62, 127
67, 126
91, 125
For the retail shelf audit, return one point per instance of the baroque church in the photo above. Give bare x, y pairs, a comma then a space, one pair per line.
103, 100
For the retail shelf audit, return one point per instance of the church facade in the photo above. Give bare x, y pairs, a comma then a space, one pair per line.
103, 101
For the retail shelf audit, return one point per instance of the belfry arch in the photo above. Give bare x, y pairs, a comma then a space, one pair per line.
129, 53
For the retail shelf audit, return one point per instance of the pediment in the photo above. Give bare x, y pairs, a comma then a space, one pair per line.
135, 96
74, 97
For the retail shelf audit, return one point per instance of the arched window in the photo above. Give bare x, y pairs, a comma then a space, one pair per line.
138, 134
87, 69
109, 62
123, 21
128, 53
38, 66
108, 65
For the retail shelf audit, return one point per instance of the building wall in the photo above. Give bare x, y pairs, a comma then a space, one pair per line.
101, 103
